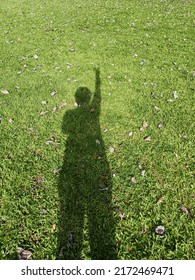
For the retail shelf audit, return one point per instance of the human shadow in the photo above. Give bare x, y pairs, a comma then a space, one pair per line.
85, 184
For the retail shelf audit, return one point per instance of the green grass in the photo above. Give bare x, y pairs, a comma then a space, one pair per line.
145, 53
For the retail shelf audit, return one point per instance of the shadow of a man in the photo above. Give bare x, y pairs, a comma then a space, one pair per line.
85, 182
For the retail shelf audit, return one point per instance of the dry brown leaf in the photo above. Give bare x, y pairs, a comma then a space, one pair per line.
169, 100
64, 104
4, 91
111, 149
44, 102
56, 170
160, 125
160, 230
54, 109
23, 254
44, 113
185, 210
133, 180
38, 179
175, 94
37, 152
35, 56
147, 138
48, 142
145, 124
160, 200
119, 213
53, 93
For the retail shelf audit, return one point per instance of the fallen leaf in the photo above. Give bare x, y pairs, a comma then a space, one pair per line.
185, 210
44, 102
133, 180
160, 200
175, 154
64, 104
119, 212
111, 149
44, 113
175, 94
97, 141
185, 137
160, 230
53, 93
35, 56
57, 170
23, 254
10, 120
156, 108
147, 138
160, 125
68, 64
169, 100
48, 142
130, 133
54, 226
4, 91
37, 152
39, 179
144, 126
104, 189
54, 109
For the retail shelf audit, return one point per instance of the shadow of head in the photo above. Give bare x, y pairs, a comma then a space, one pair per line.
83, 96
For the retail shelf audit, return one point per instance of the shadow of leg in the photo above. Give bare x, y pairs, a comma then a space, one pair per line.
71, 216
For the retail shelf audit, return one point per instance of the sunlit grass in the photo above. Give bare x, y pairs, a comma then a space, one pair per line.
145, 53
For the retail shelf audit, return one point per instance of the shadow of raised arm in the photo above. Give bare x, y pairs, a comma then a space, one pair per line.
96, 102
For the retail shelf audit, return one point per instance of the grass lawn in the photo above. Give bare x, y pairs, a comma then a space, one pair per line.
97, 129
